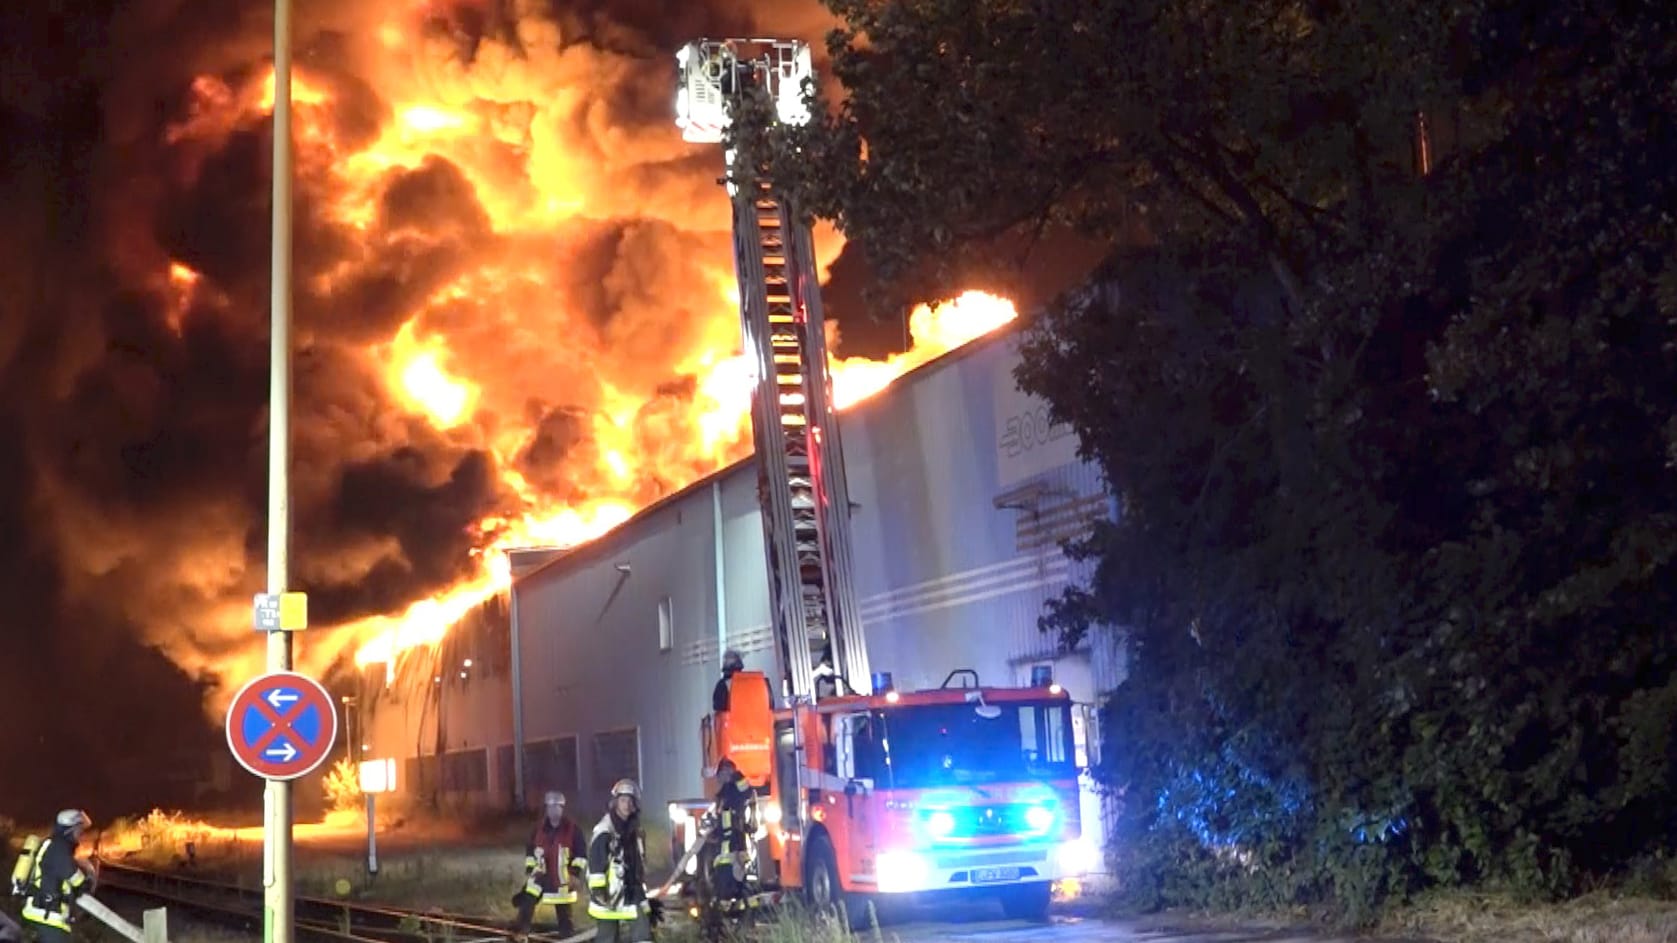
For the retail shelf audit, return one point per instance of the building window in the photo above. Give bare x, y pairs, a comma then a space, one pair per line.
465, 771
549, 764
617, 755
666, 625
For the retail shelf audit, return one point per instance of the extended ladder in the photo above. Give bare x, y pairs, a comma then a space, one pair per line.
801, 483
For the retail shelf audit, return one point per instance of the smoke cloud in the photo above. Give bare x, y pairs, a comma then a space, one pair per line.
510, 272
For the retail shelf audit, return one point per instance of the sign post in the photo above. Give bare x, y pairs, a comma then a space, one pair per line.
376, 776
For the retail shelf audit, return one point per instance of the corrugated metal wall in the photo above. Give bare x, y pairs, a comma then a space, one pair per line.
446, 712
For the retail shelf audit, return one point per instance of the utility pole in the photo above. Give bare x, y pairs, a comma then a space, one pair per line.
517, 647
277, 810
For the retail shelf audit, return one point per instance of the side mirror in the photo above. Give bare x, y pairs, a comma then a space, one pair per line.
858, 787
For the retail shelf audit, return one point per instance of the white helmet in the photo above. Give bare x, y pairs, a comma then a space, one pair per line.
74, 819
626, 787
553, 797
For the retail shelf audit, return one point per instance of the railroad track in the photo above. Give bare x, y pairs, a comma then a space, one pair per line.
327, 921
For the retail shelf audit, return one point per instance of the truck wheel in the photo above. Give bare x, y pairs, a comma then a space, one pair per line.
823, 890
1028, 901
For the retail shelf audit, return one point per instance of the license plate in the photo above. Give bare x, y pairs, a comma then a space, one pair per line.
994, 875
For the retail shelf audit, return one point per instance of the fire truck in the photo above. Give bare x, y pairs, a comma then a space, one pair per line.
862, 790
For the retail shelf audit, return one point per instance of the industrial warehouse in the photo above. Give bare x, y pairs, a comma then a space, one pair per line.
962, 494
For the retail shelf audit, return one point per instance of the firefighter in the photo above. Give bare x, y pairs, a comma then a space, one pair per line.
617, 898
555, 849
826, 678
736, 808
55, 878
732, 664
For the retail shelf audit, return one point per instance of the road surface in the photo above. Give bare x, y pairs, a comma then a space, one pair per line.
943, 927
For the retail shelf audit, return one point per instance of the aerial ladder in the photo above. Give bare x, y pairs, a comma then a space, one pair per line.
818, 639
818, 645
840, 819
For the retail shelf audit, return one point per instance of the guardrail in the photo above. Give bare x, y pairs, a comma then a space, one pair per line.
155, 928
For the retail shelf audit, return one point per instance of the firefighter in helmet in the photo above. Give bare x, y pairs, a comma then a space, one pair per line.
736, 808
732, 664
49, 878
555, 850
623, 912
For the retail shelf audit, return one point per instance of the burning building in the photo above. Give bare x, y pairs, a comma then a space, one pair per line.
963, 492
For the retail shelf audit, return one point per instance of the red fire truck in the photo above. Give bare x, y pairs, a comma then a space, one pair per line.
957, 788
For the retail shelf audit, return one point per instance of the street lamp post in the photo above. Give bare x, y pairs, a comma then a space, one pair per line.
349, 702
517, 695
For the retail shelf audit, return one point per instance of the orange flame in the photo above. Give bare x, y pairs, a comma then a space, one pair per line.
418, 377
935, 329
183, 287
522, 123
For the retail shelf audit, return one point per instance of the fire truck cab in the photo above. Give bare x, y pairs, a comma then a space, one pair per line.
903, 793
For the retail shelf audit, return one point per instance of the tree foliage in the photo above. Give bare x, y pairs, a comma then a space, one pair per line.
1396, 453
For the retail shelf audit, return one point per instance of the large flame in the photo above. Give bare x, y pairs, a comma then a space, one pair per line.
509, 120
723, 411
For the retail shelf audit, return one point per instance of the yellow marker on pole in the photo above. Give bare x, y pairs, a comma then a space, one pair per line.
294, 612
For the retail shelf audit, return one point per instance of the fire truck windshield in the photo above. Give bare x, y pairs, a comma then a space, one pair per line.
927, 746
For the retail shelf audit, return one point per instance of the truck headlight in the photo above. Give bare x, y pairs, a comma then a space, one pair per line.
1039, 818
900, 871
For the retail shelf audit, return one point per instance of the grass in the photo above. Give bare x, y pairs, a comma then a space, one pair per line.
1491, 918
474, 881
1463, 917
451, 863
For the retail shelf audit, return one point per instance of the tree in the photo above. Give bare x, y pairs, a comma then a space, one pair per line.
1277, 123
1394, 451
